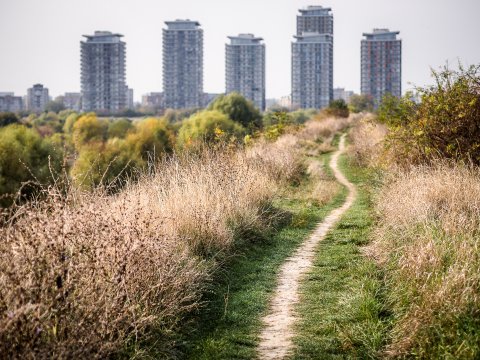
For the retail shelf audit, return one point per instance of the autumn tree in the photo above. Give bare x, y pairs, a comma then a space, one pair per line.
238, 109
208, 126
151, 138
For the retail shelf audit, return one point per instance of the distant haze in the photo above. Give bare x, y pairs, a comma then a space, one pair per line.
39, 39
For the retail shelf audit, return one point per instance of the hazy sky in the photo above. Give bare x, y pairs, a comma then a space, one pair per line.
40, 39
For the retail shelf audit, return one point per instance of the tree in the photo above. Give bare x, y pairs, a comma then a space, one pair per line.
238, 109
338, 108
119, 128
25, 157
359, 103
55, 106
88, 129
69, 121
151, 138
104, 164
7, 118
208, 126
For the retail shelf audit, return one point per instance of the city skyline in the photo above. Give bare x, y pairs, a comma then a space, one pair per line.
50, 56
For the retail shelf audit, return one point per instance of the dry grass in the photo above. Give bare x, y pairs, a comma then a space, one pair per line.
324, 187
367, 139
83, 275
429, 241
281, 159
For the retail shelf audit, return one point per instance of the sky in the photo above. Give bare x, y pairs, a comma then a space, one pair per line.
40, 39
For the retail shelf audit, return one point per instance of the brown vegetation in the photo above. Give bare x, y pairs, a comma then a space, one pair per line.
367, 138
88, 274
85, 274
428, 239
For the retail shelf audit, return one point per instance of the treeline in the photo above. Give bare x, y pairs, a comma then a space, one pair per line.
88, 151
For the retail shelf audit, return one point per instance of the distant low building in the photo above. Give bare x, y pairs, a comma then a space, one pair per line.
37, 98
130, 102
208, 98
285, 101
153, 100
342, 94
72, 101
9, 102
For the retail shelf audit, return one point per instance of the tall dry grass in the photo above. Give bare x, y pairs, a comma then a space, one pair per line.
428, 240
367, 142
83, 275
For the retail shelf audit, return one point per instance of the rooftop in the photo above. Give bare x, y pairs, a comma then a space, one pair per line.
245, 39
179, 24
381, 34
103, 36
315, 10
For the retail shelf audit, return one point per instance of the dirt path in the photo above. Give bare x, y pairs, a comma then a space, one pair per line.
276, 337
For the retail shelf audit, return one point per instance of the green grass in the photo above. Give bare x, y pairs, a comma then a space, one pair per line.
341, 308
228, 328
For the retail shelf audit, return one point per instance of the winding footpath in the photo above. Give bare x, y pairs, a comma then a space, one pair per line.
277, 334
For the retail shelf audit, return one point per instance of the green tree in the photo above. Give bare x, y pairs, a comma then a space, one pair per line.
337, 108
238, 109
119, 128
104, 164
360, 103
208, 126
7, 118
69, 121
151, 138
88, 129
55, 106
25, 157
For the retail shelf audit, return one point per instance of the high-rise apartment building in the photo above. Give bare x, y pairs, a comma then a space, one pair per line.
37, 98
103, 84
315, 19
10, 102
312, 59
183, 64
381, 64
245, 68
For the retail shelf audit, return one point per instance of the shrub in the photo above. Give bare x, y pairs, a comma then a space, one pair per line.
208, 127
8, 118
119, 128
444, 125
361, 103
337, 108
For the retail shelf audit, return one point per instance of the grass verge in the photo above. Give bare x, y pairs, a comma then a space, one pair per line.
341, 307
229, 327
